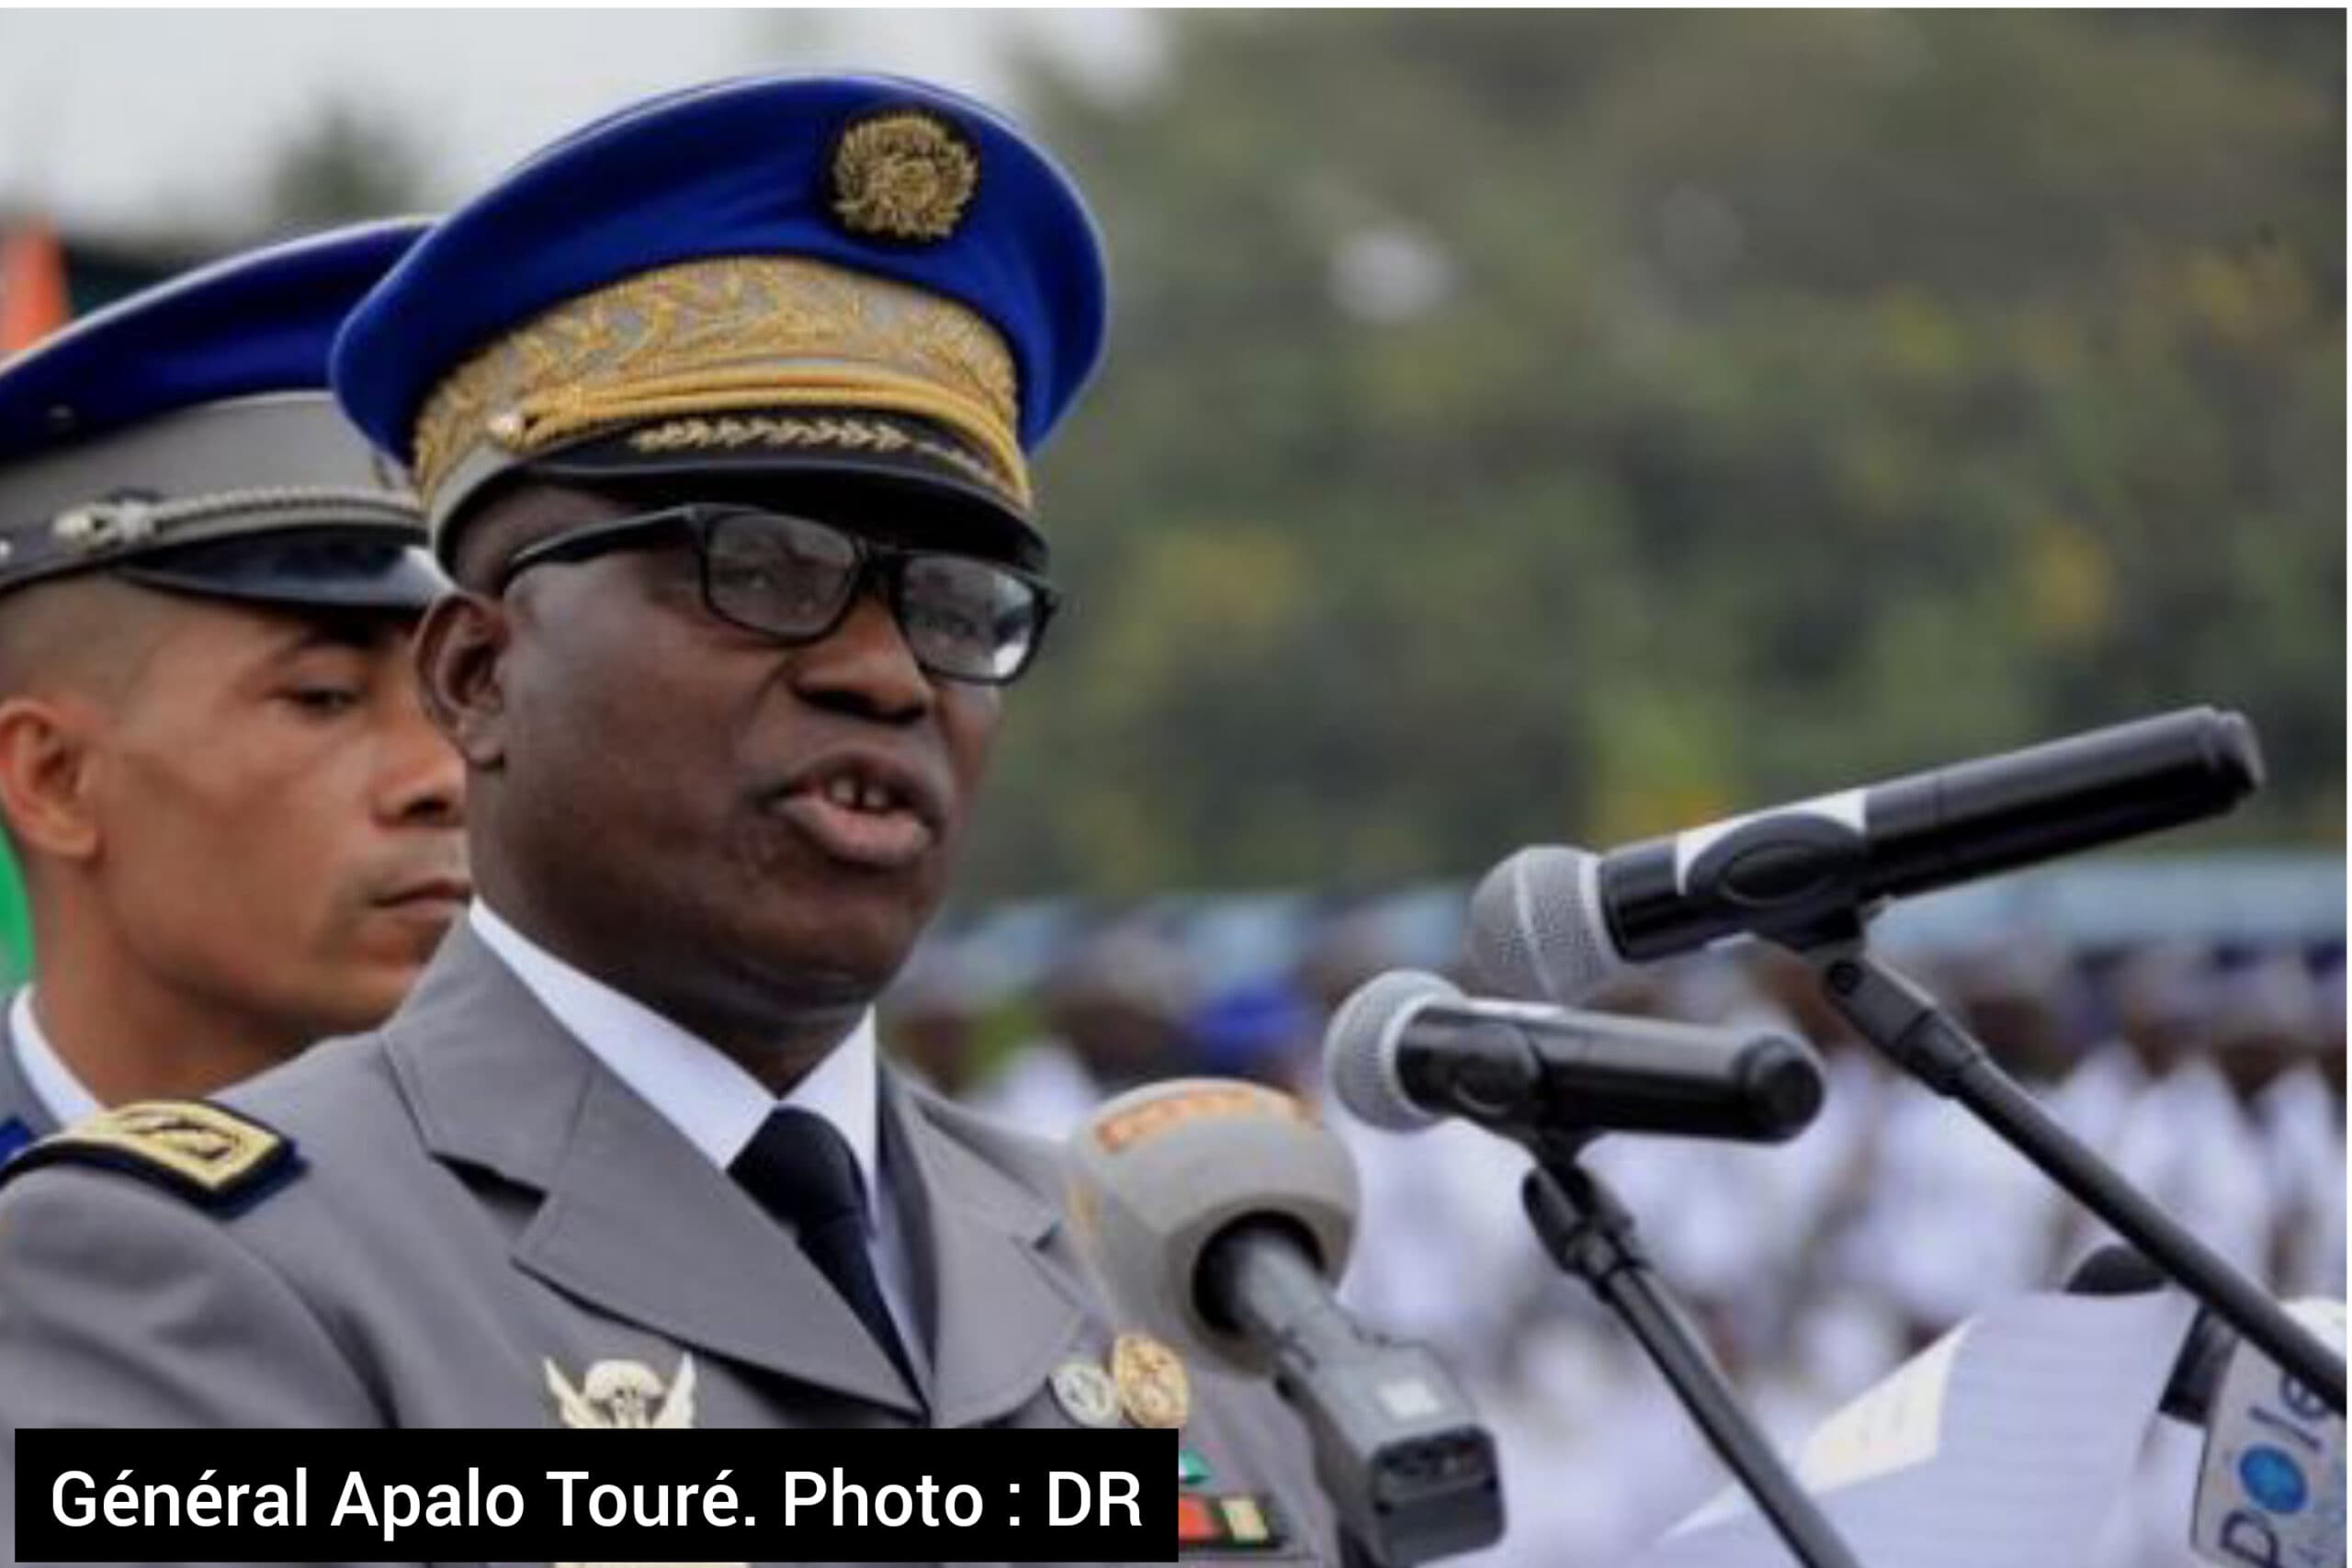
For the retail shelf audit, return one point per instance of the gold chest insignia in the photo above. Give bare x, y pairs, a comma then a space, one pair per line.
625, 1395
1153, 1389
904, 175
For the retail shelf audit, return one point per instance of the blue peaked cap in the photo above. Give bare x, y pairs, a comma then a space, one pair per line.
255, 323
185, 438
749, 168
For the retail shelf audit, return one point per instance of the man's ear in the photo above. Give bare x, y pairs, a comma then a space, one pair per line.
462, 668
50, 760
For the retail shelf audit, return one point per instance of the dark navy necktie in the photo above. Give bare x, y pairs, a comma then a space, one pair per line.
800, 1169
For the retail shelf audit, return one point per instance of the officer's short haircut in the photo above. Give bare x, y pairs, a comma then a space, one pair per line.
91, 634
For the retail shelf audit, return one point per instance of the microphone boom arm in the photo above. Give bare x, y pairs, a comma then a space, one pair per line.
1915, 1033
1591, 1235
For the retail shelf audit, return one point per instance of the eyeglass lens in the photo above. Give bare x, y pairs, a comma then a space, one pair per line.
961, 616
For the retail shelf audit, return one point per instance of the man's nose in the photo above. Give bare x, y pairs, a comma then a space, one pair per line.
423, 779
863, 666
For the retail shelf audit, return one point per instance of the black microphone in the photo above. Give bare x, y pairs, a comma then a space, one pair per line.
1407, 1048
1553, 922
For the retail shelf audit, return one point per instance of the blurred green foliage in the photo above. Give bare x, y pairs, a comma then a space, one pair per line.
1574, 425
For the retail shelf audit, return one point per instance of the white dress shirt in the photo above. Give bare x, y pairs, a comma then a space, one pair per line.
713, 1102
54, 1085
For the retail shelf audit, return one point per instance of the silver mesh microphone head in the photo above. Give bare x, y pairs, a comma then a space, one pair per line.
1537, 932
1360, 1047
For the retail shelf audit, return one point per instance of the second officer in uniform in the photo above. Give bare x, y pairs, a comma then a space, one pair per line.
238, 830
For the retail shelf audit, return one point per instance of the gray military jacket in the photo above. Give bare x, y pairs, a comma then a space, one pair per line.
481, 1199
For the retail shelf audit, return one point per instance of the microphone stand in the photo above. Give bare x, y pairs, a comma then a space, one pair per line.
1908, 1026
1591, 1235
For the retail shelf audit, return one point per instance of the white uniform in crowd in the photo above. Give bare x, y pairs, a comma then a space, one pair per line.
2093, 1101
2188, 1143
1044, 1089
1958, 1217
2302, 1131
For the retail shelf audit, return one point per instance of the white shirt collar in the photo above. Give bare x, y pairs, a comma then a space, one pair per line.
694, 1087
54, 1085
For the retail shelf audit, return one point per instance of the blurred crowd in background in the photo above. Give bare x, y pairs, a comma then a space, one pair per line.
2184, 1015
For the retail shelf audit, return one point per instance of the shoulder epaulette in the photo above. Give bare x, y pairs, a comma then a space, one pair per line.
210, 1156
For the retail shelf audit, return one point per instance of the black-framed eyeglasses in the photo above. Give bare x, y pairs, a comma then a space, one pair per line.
794, 578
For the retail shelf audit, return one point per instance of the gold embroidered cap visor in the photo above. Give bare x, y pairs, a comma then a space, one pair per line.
737, 368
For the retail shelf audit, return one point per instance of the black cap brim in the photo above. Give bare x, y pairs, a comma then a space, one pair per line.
326, 568
938, 494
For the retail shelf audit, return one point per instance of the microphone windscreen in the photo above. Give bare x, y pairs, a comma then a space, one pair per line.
1159, 1172
1537, 931
1360, 1047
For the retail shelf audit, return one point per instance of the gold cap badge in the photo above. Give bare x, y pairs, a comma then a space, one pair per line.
904, 175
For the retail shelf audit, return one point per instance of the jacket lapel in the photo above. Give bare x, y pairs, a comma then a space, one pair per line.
634, 1220
1000, 1308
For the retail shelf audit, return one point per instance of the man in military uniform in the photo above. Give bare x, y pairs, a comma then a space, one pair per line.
721, 410
238, 830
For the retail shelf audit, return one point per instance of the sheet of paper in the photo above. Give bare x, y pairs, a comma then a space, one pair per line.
2005, 1442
